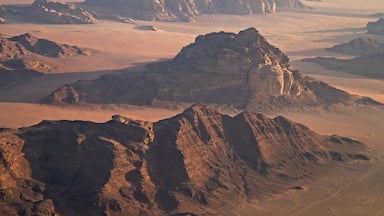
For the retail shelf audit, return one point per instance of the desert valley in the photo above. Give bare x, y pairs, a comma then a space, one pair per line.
191, 107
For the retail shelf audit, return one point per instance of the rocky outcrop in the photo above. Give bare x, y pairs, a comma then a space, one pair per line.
359, 46
55, 12
241, 70
187, 10
191, 164
20, 61
376, 27
48, 48
2, 14
366, 65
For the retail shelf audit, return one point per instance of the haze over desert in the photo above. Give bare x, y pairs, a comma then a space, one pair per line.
350, 188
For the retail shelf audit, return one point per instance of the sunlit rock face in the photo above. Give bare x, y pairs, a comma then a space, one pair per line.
48, 11
187, 10
247, 54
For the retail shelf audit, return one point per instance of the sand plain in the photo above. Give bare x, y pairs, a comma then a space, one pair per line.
300, 34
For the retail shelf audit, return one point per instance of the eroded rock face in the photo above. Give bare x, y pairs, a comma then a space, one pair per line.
245, 54
376, 27
241, 70
193, 163
187, 10
48, 11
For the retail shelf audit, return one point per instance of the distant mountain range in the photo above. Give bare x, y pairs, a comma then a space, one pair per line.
187, 10
369, 60
192, 164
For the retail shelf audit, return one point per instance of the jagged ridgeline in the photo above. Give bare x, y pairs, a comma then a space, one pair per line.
196, 162
187, 10
243, 70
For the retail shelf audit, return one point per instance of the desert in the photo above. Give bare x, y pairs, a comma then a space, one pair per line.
348, 188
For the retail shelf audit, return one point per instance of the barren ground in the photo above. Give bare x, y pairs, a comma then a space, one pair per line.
301, 34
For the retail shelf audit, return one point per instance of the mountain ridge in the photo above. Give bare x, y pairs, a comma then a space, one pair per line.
192, 163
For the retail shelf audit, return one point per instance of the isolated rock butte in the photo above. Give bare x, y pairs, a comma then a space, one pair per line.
186, 10
55, 12
242, 70
21, 57
376, 27
194, 163
359, 46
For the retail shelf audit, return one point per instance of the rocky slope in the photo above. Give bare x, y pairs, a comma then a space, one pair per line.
376, 27
242, 70
51, 12
186, 10
366, 65
359, 46
20, 57
196, 162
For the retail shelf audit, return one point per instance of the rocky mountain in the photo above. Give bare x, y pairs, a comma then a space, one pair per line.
187, 10
51, 12
20, 57
242, 70
359, 46
376, 27
191, 164
366, 65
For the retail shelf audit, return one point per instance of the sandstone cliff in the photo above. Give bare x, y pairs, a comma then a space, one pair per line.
242, 70
187, 10
196, 162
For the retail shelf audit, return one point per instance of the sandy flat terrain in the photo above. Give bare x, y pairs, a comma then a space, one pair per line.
301, 35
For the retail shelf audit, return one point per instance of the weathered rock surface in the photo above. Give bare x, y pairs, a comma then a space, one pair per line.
366, 65
51, 12
20, 61
242, 70
192, 163
2, 14
186, 10
55, 12
359, 46
376, 27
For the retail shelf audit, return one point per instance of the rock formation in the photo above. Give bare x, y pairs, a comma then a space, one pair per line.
2, 14
19, 57
186, 10
242, 70
366, 65
376, 27
54, 12
359, 46
190, 164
